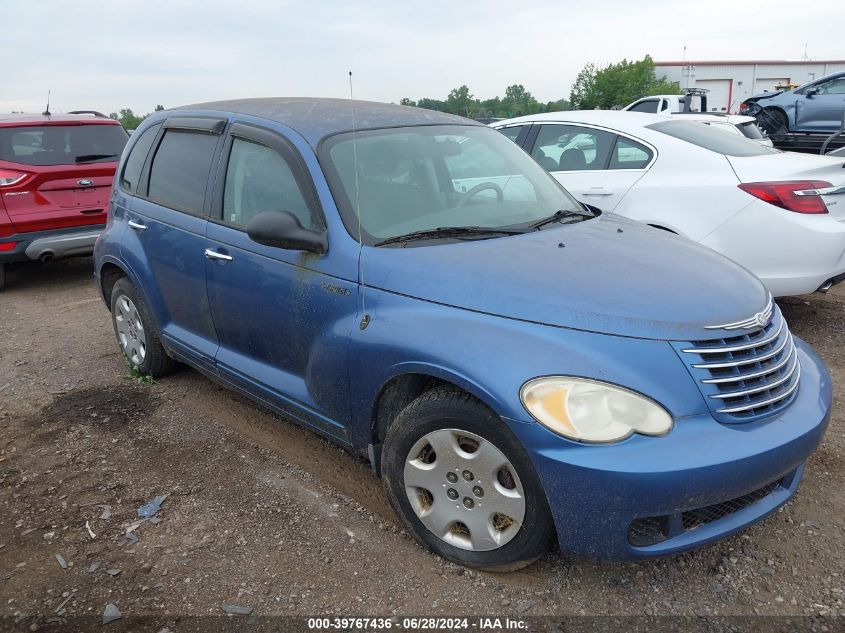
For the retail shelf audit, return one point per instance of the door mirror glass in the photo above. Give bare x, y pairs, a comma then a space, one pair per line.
282, 229
810, 92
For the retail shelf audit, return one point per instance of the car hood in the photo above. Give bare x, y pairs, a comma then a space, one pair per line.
766, 95
608, 275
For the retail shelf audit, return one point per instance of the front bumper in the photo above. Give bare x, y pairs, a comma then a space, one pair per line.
53, 244
596, 492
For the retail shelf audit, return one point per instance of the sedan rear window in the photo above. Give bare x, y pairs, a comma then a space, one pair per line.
45, 145
714, 140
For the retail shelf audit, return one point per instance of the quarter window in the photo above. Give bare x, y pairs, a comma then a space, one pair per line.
137, 157
572, 148
180, 169
259, 179
629, 154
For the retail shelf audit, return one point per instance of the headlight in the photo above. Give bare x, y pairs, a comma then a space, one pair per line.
591, 411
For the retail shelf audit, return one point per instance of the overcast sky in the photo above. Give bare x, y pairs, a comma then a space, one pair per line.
106, 55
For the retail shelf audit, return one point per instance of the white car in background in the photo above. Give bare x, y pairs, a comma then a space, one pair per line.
779, 214
674, 105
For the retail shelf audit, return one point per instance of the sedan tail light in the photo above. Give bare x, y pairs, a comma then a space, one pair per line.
800, 196
9, 177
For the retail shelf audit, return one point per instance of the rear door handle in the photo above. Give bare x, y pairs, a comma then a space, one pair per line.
210, 254
137, 225
598, 191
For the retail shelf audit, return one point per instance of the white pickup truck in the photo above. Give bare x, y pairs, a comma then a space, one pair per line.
668, 104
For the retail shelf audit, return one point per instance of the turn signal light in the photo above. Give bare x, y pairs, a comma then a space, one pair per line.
800, 196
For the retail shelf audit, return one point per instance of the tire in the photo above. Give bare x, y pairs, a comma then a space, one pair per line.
474, 444
136, 332
2, 277
773, 121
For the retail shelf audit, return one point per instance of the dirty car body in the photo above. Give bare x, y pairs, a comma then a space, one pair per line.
346, 334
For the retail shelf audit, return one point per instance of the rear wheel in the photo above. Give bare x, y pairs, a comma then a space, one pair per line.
464, 485
773, 121
136, 333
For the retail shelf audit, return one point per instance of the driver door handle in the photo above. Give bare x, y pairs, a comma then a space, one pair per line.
598, 191
137, 225
210, 254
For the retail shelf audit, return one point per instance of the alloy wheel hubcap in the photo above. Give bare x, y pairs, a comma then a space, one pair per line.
464, 490
130, 331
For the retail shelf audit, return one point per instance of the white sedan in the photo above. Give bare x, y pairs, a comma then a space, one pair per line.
779, 214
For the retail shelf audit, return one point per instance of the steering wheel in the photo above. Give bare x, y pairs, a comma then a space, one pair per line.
500, 195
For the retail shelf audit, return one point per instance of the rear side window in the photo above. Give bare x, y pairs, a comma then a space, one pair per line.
714, 140
137, 157
180, 169
258, 179
46, 145
646, 106
572, 148
750, 130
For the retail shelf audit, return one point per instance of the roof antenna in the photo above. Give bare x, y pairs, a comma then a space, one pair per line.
365, 320
47, 111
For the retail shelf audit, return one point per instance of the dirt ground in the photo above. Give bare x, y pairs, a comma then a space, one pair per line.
264, 515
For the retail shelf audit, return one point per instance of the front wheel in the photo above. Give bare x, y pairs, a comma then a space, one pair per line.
136, 333
464, 485
773, 121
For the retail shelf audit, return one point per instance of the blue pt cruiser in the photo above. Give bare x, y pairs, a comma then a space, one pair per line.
520, 369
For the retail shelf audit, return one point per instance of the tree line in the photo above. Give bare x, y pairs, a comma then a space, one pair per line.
608, 87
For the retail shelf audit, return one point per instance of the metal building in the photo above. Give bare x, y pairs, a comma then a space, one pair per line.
731, 82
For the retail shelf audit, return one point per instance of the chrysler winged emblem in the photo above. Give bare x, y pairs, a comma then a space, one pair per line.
761, 319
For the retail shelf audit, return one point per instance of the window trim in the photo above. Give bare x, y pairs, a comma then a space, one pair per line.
143, 189
654, 152
277, 142
141, 178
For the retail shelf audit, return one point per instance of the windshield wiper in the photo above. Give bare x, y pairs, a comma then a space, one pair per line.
449, 231
86, 157
562, 214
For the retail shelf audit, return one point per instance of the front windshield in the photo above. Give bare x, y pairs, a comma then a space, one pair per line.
421, 178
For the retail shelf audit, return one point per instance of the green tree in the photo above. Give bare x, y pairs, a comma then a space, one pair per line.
461, 102
407, 102
519, 101
618, 84
159, 108
431, 104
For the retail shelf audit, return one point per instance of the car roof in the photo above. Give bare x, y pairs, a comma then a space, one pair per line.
7, 120
316, 118
606, 118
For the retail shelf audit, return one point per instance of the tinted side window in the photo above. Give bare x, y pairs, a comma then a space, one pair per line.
629, 154
259, 179
834, 87
137, 157
646, 106
572, 148
714, 140
179, 173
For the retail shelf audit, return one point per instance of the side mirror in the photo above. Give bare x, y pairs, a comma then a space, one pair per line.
811, 92
282, 229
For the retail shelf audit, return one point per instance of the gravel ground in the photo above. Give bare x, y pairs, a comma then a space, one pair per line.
265, 516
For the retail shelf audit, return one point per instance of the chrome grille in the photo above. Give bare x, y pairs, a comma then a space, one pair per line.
748, 375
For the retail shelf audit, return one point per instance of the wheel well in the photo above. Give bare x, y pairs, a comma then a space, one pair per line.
397, 394
109, 275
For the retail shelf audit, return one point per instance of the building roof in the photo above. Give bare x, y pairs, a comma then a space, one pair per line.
736, 62
317, 118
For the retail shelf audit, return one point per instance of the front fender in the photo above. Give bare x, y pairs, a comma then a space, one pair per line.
491, 357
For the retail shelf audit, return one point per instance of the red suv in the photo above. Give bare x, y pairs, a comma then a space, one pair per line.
55, 179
